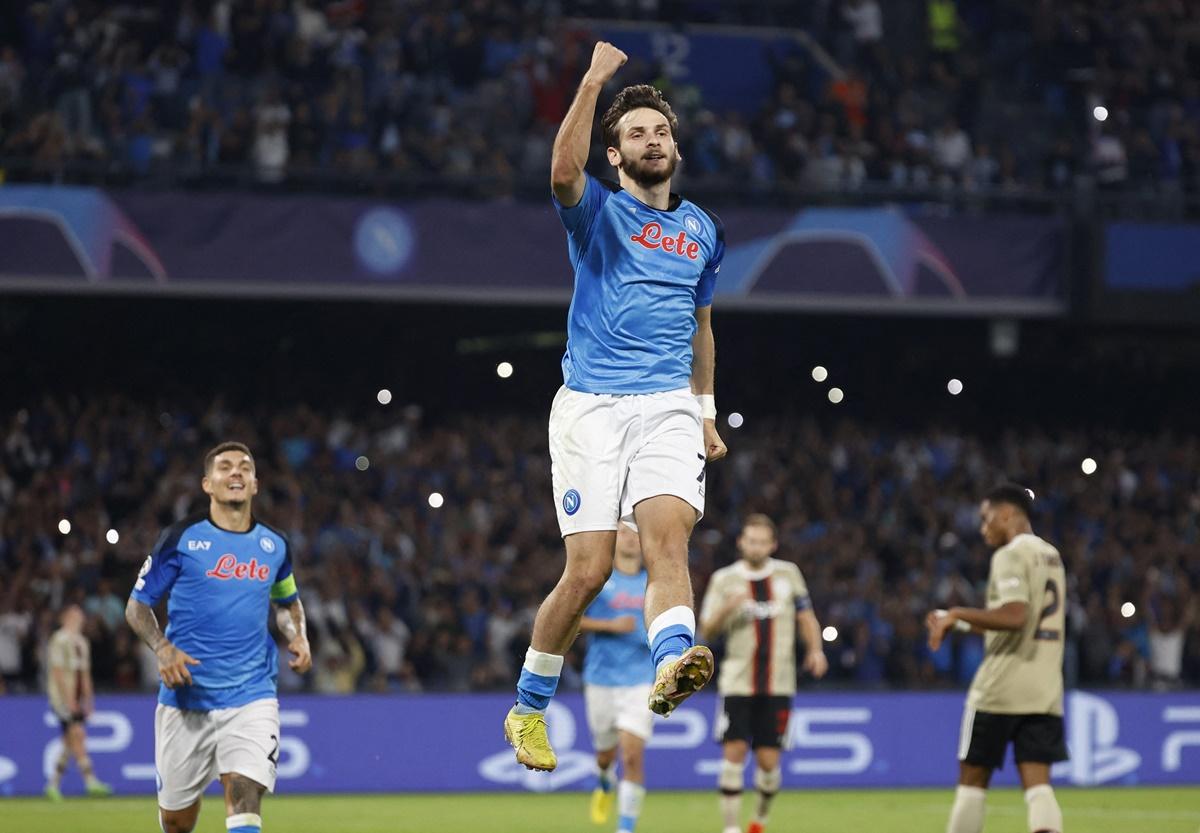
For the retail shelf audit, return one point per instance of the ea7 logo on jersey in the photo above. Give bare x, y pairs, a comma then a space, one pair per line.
203, 546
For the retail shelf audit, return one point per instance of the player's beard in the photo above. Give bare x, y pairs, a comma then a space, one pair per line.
647, 177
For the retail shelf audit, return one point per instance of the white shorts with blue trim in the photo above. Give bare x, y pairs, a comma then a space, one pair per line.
194, 748
609, 452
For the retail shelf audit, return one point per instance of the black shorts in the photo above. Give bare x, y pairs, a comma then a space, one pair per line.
1036, 738
70, 720
761, 720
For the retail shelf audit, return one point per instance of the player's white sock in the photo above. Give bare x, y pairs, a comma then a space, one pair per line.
1044, 812
730, 781
671, 633
244, 823
967, 813
767, 782
89, 774
607, 776
60, 767
629, 805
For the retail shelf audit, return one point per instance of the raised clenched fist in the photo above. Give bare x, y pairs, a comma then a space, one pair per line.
606, 60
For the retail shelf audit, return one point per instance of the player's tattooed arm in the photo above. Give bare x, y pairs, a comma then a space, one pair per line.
172, 662
294, 627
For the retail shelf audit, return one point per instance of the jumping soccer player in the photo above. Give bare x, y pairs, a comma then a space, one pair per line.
69, 685
1017, 694
618, 672
758, 603
217, 713
635, 420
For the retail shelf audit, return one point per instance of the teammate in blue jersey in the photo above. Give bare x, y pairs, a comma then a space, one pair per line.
618, 672
635, 420
217, 713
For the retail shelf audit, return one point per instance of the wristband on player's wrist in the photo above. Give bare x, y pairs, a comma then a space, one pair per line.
961, 626
708, 405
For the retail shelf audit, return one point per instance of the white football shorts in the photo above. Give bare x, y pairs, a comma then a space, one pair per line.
614, 709
609, 452
193, 748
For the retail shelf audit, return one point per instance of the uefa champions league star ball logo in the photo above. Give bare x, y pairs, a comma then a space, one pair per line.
268, 546
571, 501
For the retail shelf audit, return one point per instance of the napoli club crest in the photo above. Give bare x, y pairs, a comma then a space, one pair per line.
571, 501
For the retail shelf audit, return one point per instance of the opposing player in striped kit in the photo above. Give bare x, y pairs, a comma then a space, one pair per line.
758, 604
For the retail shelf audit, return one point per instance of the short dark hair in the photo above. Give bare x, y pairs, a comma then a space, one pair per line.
211, 457
1014, 495
759, 519
631, 98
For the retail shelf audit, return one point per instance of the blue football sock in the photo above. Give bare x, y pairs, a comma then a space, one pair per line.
538, 681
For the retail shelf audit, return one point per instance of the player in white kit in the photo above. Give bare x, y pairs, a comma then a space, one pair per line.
634, 422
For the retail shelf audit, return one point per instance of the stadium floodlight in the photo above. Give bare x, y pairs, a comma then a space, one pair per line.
436, 500
836, 395
384, 396
955, 387
1128, 609
362, 463
504, 370
64, 526
1100, 112
819, 374
830, 634
1088, 465
112, 536
735, 420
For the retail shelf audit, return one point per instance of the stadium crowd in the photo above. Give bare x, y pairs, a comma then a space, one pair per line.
403, 595
909, 93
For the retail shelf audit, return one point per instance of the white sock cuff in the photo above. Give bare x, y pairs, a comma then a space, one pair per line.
629, 798
971, 793
1041, 789
544, 665
768, 780
678, 615
243, 820
731, 776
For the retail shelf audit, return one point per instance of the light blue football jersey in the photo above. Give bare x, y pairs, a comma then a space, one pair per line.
221, 586
640, 275
619, 659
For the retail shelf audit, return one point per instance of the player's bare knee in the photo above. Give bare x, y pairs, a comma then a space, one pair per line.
587, 581
177, 821
974, 776
605, 759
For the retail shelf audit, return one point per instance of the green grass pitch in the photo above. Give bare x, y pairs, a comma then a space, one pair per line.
1141, 810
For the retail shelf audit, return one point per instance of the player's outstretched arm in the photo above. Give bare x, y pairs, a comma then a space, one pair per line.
714, 625
172, 662
574, 138
704, 368
619, 624
1010, 616
293, 625
815, 662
